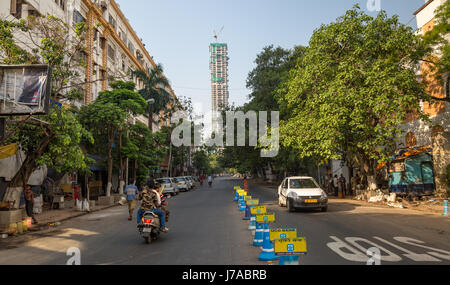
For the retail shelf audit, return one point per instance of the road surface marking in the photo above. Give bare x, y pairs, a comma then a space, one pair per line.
418, 243
409, 254
352, 250
354, 255
390, 257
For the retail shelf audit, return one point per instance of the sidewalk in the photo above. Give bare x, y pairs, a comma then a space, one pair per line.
431, 207
46, 223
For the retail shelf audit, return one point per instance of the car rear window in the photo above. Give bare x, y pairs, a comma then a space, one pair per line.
302, 184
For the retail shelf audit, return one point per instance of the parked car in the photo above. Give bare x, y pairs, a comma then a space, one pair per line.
302, 192
170, 187
182, 184
191, 181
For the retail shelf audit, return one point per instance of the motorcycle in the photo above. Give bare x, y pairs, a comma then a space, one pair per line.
150, 229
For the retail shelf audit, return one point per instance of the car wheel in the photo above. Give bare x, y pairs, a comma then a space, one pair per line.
289, 205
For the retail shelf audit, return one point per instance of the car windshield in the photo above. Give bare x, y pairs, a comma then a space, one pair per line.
180, 179
302, 184
164, 180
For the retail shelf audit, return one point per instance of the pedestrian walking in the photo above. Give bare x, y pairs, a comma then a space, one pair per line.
131, 191
29, 203
343, 184
336, 185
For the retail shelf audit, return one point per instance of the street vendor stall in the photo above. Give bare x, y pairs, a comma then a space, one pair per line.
411, 172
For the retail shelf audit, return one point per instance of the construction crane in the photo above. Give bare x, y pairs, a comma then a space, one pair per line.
216, 35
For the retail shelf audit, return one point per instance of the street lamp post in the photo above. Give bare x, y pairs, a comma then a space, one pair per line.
150, 114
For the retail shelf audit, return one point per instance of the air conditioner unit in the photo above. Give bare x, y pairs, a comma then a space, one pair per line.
13, 9
103, 4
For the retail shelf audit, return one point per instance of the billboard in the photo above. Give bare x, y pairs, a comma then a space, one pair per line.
24, 89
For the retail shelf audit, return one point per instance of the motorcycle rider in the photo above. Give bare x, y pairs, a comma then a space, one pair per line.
210, 180
150, 202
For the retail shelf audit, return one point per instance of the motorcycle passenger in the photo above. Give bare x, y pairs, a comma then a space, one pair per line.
150, 202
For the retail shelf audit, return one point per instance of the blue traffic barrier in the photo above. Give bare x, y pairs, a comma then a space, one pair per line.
289, 260
236, 196
242, 206
252, 224
268, 252
247, 213
259, 238
445, 213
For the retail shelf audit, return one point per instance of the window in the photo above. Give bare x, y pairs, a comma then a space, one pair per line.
111, 52
113, 22
131, 47
77, 17
16, 8
302, 184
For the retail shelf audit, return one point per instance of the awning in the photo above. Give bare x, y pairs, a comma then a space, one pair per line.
408, 152
7, 151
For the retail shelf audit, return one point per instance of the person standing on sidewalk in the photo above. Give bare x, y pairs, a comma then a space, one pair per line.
29, 203
131, 191
343, 184
336, 185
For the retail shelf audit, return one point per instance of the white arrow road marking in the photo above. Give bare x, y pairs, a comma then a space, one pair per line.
390, 257
440, 252
409, 254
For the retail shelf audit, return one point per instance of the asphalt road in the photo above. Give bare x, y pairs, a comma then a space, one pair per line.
206, 228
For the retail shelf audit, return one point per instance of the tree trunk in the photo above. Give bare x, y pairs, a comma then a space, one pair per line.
135, 170
29, 165
170, 161
122, 166
150, 122
110, 162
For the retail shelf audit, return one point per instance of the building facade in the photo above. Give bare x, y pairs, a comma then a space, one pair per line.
434, 135
113, 49
219, 79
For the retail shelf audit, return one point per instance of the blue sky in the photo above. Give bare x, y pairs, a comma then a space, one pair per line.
178, 32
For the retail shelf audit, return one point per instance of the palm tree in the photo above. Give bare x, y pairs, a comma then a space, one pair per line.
155, 85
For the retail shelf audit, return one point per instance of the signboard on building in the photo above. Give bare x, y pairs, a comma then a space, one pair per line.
24, 89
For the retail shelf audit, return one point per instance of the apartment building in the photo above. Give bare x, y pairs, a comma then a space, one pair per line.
417, 132
113, 47
431, 138
219, 79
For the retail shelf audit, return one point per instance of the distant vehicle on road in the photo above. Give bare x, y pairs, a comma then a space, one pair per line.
302, 192
170, 186
182, 183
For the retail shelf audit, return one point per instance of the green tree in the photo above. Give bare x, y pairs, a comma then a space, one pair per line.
107, 118
146, 149
155, 85
352, 90
52, 139
272, 68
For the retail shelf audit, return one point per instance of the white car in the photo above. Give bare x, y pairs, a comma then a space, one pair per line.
302, 192
182, 184
169, 186
191, 181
